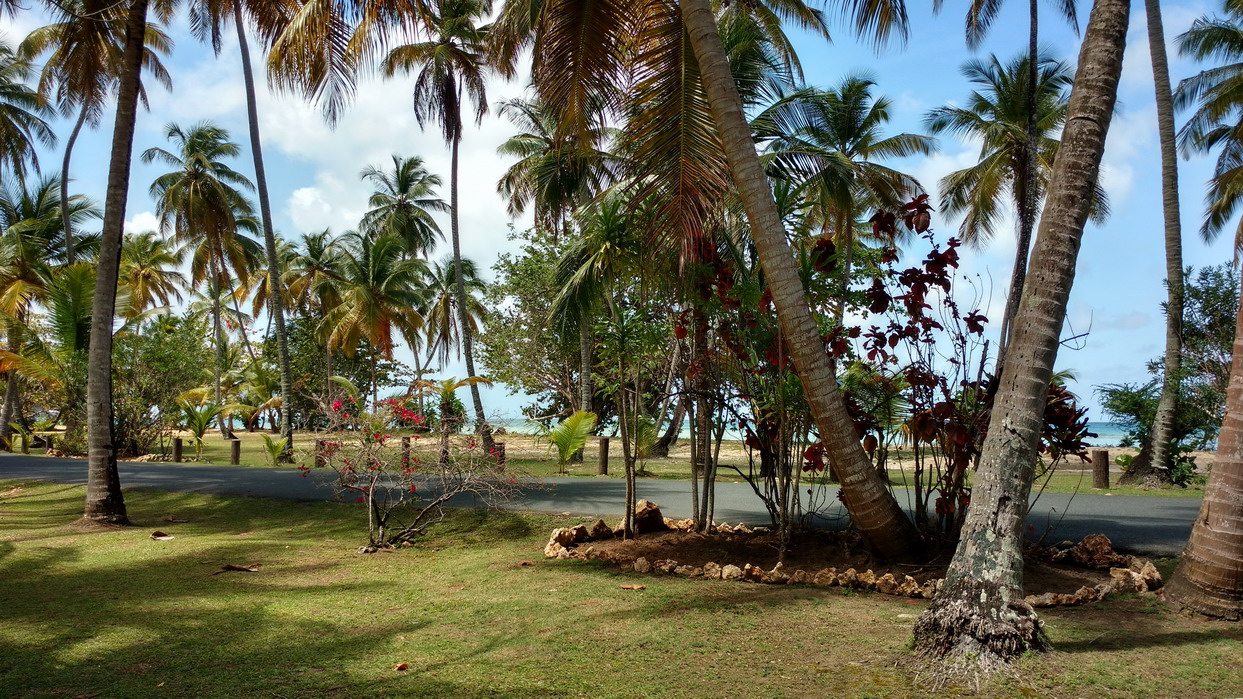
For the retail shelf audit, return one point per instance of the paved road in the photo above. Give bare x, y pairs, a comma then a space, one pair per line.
1149, 525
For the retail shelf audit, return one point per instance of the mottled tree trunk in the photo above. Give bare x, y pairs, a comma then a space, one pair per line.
1209, 577
1163, 424
276, 301
981, 614
104, 501
485, 431
872, 507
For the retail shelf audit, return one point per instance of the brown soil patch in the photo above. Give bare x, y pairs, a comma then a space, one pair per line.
814, 551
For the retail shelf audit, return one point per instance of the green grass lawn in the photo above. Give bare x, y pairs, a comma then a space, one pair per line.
119, 614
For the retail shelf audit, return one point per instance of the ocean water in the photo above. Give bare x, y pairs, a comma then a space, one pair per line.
1108, 434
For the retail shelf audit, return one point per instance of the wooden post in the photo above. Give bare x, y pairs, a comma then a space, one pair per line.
25, 444
235, 451
49, 443
321, 458
604, 457
177, 449
499, 453
1100, 468
405, 452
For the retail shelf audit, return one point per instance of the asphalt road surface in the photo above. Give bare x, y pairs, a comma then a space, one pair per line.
1149, 525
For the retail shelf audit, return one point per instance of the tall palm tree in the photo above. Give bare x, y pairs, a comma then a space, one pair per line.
402, 204
82, 51
829, 142
448, 65
149, 278
980, 615
199, 202
380, 293
22, 114
441, 319
104, 501
312, 280
580, 50
996, 114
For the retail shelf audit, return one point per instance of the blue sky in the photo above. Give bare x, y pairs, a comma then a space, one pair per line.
313, 169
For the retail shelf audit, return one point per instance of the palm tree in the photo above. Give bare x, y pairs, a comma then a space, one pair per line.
313, 276
149, 277
827, 141
22, 114
104, 501
82, 53
199, 203
402, 203
980, 615
380, 294
441, 319
578, 71
448, 65
32, 241
996, 114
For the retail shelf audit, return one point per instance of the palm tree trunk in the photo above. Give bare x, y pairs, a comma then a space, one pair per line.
460, 283
872, 507
375, 389
276, 307
104, 501
1163, 423
670, 437
585, 388
64, 186
981, 613
11, 388
218, 341
1209, 577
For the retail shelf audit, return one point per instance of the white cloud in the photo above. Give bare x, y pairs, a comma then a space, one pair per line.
141, 223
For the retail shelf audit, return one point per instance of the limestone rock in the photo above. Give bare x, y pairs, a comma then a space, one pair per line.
1095, 551
563, 554
826, 577
887, 584
642, 566
579, 534
848, 579
689, 571
910, 587
778, 575
600, 530
665, 565
800, 577
565, 536
741, 529
754, 573
1148, 572
867, 579
1127, 580
724, 528
552, 549
931, 588
712, 571
731, 572
647, 518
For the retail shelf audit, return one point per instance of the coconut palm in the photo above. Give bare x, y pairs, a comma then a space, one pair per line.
380, 293
580, 53
449, 64
200, 204
829, 142
22, 114
996, 115
441, 320
149, 277
313, 272
82, 51
104, 501
402, 202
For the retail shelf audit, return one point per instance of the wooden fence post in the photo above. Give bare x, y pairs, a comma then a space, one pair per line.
235, 452
178, 447
499, 453
1100, 468
321, 458
603, 470
25, 444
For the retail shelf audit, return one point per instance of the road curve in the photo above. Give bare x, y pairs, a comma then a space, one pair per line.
1149, 525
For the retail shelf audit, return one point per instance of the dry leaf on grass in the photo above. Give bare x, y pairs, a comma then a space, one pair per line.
252, 568
161, 536
525, 564
401, 667
174, 520
634, 587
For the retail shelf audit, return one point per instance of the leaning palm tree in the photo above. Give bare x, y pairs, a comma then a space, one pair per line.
578, 72
380, 293
200, 204
402, 204
996, 114
149, 278
81, 52
449, 64
22, 114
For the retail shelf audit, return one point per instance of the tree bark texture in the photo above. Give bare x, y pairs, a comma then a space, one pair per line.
1209, 577
104, 501
1163, 424
276, 301
872, 507
981, 613
485, 431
